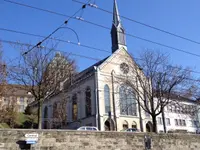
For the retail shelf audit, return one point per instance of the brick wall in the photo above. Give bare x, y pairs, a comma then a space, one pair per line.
77, 140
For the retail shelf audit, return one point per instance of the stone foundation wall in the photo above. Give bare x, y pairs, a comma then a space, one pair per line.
80, 140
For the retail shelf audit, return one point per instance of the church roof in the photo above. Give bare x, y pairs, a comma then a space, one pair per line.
89, 70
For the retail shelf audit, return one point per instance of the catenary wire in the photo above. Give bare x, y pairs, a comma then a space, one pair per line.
144, 24
128, 34
77, 44
54, 31
74, 54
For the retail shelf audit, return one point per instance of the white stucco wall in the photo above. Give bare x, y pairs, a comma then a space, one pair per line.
172, 116
78, 89
104, 77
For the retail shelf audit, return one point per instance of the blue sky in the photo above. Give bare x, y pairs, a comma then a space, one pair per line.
179, 17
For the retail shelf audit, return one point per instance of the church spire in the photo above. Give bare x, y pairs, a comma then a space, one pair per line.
117, 31
116, 17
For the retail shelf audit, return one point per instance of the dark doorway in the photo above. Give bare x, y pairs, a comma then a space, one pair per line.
45, 124
109, 125
149, 127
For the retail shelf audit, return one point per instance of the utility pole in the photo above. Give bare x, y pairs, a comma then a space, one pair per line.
97, 99
139, 107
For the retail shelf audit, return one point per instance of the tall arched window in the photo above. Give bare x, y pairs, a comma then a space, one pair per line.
74, 107
122, 100
107, 98
127, 101
46, 112
55, 110
45, 125
88, 108
132, 104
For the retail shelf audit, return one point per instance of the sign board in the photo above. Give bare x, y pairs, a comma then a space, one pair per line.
31, 141
32, 135
31, 138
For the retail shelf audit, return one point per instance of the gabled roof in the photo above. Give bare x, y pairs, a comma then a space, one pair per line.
90, 69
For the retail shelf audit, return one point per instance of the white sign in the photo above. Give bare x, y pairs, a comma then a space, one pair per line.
31, 138
31, 142
32, 135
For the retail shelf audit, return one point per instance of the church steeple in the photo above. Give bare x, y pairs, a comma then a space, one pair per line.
117, 31
116, 17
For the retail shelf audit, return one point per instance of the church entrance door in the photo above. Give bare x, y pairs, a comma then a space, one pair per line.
109, 125
149, 127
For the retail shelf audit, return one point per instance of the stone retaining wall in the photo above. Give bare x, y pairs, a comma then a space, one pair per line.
80, 140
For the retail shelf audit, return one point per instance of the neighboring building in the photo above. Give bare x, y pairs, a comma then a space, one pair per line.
93, 98
180, 115
16, 95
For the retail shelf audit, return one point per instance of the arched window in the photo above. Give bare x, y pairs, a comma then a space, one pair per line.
128, 104
125, 125
55, 112
74, 107
134, 125
88, 108
132, 103
46, 112
122, 99
107, 98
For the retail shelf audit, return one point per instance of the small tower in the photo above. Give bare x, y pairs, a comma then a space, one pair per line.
117, 31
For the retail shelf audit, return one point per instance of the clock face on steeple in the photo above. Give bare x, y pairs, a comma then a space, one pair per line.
124, 68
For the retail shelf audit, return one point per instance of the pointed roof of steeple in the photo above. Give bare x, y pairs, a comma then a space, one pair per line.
116, 17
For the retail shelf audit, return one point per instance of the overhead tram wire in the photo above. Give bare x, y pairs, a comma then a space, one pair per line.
60, 40
36, 8
47, 37
74, 54
144, 24
77, 44
26, 44
78, 55
104, 27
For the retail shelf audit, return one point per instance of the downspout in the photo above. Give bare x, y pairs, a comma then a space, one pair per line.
113, 99
97, 98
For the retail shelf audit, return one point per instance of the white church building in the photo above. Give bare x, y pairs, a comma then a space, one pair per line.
94, 98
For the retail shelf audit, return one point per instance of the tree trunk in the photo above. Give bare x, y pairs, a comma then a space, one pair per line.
164, 123
39, 115
154, 123
140, 116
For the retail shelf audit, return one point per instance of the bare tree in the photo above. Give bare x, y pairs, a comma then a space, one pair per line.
8, 111
153, 80
59, 118
8, 107
42, 73
3, 72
